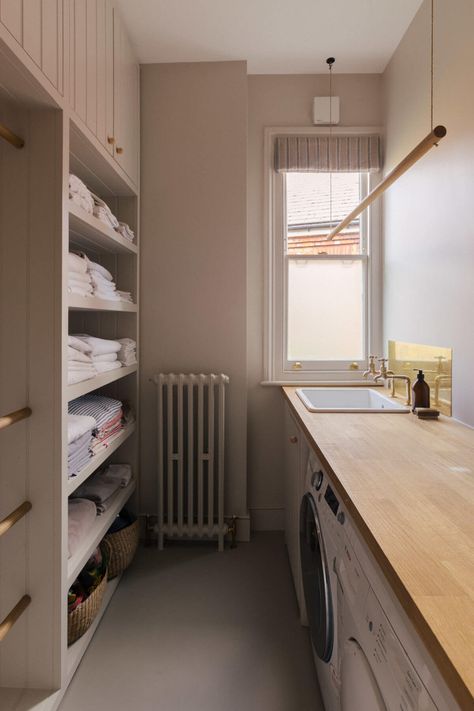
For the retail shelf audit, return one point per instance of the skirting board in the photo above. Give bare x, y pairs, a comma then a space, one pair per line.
267, 519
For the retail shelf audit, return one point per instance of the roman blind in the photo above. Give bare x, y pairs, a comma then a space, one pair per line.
328, 154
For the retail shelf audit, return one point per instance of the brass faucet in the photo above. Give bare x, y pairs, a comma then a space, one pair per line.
372, 369
408, 385
383, 373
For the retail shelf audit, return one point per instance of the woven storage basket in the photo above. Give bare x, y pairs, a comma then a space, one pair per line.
80, 619
122, 548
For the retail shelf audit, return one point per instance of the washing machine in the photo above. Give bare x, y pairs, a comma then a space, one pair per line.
318, 549
377, 673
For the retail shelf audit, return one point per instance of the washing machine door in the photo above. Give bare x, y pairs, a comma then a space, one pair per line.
359, 688
315, 576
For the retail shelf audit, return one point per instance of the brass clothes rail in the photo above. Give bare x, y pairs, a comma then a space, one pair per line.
432, 139
11, 137
14, 517
13, 417
13, 615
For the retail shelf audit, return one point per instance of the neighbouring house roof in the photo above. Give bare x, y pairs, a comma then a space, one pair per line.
309, 199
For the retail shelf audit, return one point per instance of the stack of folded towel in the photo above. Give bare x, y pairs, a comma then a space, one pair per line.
79, 439
79, 279
108, 416
103, 353
81, 516
128, 351
79, 362
104, 484
104, 285
103, 212
125, 231
79, 194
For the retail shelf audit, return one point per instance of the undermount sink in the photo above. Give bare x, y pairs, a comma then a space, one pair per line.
348, 400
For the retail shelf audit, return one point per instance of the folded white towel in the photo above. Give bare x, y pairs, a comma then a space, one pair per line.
80, 292
78, 344
103, 367
104, 358
74, 354
125, 231
80, 276
78, 425
127, 344
81, 517
85, 286
76, 263
79, 365
107, 295
125, 296
77, 376
99, 345
99, 269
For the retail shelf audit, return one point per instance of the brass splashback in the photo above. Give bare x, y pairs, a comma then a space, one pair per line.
436, 363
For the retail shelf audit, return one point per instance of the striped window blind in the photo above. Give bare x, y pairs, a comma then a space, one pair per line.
328, 154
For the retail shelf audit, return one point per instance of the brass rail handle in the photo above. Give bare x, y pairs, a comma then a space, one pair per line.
13, 417
11, 137
14, 517
13, 615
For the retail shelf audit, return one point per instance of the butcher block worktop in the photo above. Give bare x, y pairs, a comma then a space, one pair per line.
409, 486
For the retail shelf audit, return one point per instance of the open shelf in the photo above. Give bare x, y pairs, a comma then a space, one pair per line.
91, 303
96, 461
76, 651
101, 525
90, 232
88, 386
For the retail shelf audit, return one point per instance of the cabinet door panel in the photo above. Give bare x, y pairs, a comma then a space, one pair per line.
91, 65
79, 45
126, 101
32, 29
50, 49
105, 74
11, 15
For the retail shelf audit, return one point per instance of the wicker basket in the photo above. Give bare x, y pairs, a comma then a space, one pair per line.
80, 619
122, 548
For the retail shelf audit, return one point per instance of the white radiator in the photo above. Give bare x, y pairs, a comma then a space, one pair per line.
191, 424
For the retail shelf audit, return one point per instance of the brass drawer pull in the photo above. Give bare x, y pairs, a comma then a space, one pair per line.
13, 417
13, 615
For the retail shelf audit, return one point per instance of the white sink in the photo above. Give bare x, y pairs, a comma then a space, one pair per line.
348, 400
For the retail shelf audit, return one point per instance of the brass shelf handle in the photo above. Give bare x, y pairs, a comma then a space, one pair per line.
13, 616
11, 137
14, 517
13, 417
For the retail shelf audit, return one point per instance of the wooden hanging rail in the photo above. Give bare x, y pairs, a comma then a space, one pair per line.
11, 137
13, 615
432, 139
14, 517
13, 417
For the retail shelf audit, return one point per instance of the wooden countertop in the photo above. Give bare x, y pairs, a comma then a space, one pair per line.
409, 486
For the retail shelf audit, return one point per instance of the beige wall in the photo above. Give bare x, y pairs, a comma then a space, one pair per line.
281, 101
429, 243
193, 239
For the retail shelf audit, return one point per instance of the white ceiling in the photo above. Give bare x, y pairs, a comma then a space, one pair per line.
274, 36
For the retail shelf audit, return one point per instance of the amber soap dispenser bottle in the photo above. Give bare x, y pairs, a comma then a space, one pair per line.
421, 392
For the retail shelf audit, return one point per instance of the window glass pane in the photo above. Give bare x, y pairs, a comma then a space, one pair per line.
325, 309
315, 203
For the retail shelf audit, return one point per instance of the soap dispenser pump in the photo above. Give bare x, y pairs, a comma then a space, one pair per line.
421, 392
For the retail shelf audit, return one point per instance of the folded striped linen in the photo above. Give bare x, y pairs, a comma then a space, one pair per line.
104, 484
79, 454
101, 408
81, 516
99, 346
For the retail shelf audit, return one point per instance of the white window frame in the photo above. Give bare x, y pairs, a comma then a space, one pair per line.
277, 370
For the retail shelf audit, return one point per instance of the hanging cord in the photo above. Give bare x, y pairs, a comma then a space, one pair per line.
330, 61
432, 61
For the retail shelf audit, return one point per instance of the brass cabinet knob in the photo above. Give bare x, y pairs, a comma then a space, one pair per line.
111, 140
119, 150
293, 439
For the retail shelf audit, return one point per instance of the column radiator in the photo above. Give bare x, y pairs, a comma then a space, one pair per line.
191, 424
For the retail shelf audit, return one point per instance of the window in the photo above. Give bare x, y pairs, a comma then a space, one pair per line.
322, 295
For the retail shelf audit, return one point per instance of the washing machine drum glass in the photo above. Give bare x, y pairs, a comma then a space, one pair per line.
315, 575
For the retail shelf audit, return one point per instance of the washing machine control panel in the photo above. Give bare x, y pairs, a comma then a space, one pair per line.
331, 500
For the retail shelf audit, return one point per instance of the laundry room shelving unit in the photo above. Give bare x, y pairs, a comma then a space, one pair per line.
76, 108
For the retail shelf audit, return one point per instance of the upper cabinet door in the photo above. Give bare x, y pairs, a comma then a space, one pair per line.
105, 74
126, 102
37, 26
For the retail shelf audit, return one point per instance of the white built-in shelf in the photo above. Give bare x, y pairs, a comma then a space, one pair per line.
77, 650
96, 461
88, 386
91, 303
100, 527
90, 232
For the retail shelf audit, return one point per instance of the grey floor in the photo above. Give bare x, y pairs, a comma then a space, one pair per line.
190, 629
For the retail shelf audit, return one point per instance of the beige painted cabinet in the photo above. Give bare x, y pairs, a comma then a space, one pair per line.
104, 80
37, 27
